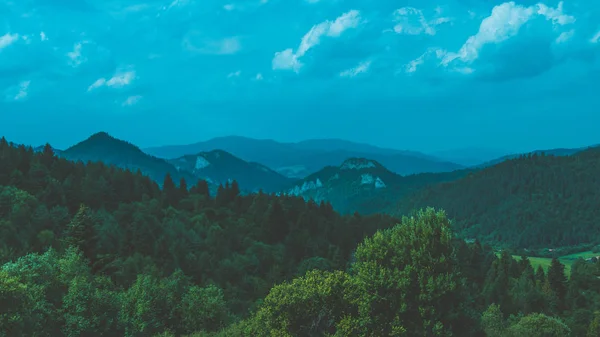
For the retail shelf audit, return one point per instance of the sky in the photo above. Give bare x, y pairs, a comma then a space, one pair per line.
417, 75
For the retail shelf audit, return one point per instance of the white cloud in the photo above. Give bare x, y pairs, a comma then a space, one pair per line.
361, 68
76, 56
23, 90
131, 100
43, 36
229, 7
259, 77
286, 59
119, 80
289, 60
8, 39
503, 23
99, 82
565, 36
413, 65
412, 21
225, 46
234, 74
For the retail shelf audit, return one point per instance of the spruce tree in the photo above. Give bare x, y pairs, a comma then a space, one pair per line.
558, 282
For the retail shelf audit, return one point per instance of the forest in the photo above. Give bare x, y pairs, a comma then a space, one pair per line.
88, 249
531, 202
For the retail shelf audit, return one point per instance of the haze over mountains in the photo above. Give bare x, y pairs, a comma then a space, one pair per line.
298, 160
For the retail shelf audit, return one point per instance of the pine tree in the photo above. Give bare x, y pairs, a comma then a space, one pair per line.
183, 189
276, 224
80, 232
540, 276
235, 189
47, 158
170, 192
201, 188
558, 282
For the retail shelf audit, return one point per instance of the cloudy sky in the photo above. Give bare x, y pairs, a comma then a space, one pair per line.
413, 74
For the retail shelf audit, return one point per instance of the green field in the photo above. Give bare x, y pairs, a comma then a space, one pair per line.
567, 260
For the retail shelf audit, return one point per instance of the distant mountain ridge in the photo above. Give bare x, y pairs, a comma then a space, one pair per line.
112, 151
470, 157
363, 185
559, 152
216, 167
220, 167
298, 160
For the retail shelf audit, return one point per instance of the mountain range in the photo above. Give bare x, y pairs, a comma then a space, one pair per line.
298, 160
509, 200
216, 167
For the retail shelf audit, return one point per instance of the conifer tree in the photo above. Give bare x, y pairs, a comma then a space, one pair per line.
80, 232
558, 282
540, 275
170, 192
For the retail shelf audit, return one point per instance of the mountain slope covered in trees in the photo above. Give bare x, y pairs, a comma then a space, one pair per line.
221, 167
533, 201
101, 147
364, 185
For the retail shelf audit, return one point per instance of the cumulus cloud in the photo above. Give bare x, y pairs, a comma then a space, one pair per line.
17, 92
131, 100
290, 60
8, 39
361, 68
412, 21
119, 80
504, 23
75, 56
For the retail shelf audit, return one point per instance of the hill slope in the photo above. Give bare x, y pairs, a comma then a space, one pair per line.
219, 167
111, 151
552, 152
298, 160
363, 185
532, 201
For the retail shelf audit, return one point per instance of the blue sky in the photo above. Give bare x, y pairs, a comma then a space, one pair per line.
416, 75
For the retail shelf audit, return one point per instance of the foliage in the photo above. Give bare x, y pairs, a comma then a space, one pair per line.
532, 202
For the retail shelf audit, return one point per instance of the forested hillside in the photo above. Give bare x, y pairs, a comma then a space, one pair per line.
111, 151
365, 186
94, 250
533, 201
220, 167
